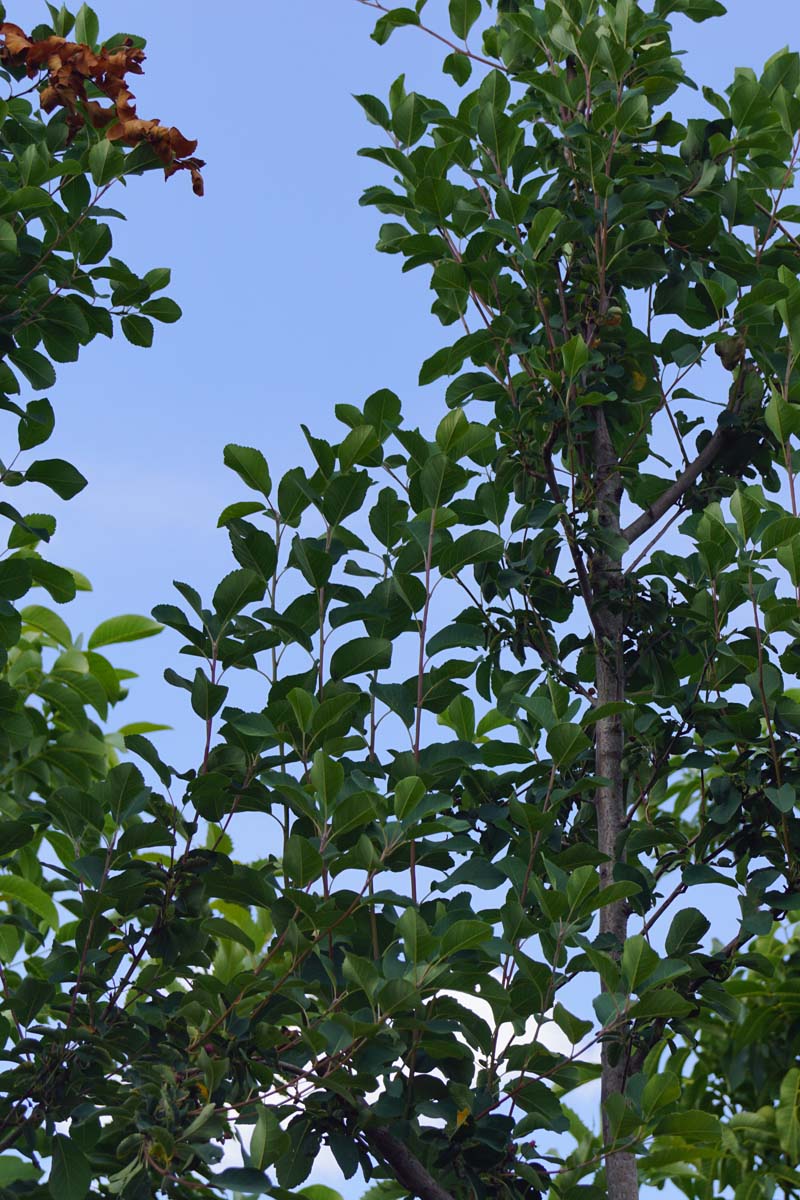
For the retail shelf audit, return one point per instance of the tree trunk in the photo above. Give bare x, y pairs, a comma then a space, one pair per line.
606, 579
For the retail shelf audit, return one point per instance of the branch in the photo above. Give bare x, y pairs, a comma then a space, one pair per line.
778, 224
489, 62
584, 582
408, 1170
678, 489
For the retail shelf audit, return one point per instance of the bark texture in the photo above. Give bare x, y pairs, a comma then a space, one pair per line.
606, 580
408, 1170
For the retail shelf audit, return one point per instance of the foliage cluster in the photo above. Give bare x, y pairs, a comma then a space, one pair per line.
594, 728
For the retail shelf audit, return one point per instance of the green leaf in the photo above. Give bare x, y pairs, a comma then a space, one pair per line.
408, 123
746, 511
407, 795
8, 238
465, 935
71, 1172
146, 750
37, 369
789, 557
87, 27
15, 578
751, 1187
269, 1141
107, 162
138, 727
344, 496
359, 446
250, 465
14, 887
14, 1170
375, 109
565, 742
253, 548
162, 309
782, 419
58, 581
696, 1127
479, 545
36, 425
695, 10
638, 961
242, 508
128, 628
236, 591
38, 617
661, 1002
575, 356
688, 927
312, 560
327, 779
60, 476
787, 1115
436, 196
387, 24
207, 697
659, 1091
575, 1028
463, 15
458, 66
138, 330
777, 532
542, 226
302, 862
244, 1180
157, 278
385, 1191
30, 529
361, 655
28, 1000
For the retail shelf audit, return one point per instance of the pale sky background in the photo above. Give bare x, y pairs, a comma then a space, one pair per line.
287, 307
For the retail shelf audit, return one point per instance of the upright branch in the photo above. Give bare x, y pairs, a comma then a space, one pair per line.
606, 582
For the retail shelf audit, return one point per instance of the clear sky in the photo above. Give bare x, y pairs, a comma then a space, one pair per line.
287, 307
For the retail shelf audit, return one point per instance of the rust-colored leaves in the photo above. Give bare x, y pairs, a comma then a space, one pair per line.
70, 66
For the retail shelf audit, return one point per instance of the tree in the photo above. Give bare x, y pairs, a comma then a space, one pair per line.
593, 727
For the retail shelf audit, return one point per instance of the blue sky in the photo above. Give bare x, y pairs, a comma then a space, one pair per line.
288, 310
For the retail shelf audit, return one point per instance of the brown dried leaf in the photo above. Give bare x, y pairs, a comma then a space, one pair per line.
16, 43
69, 65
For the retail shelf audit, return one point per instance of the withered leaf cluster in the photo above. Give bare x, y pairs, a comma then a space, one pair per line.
71, 66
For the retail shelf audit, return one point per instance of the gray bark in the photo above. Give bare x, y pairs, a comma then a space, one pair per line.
606, 579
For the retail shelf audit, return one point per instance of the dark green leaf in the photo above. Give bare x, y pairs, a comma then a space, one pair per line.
361, 655
138, 330
236, 591
35, 367
250, 465
688, 927
60, 476
463, 15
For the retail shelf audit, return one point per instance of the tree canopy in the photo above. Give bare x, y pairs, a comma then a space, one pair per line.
525, 674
